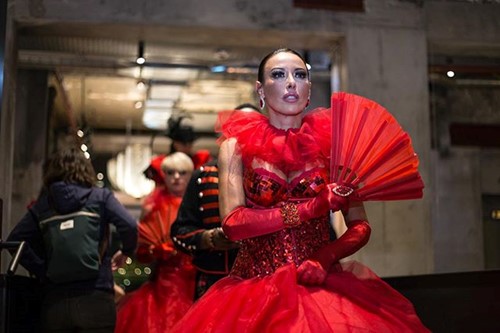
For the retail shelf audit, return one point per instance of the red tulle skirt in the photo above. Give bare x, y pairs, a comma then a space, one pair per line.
353, 299
157, 305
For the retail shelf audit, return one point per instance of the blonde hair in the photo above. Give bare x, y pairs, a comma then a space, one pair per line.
177, 161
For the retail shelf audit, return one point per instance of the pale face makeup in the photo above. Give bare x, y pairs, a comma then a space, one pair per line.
286, 86
176, 181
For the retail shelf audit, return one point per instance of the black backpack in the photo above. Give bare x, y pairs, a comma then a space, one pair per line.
72, 246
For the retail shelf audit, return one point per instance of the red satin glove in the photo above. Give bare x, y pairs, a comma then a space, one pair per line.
314, 270
326, 200
244, 222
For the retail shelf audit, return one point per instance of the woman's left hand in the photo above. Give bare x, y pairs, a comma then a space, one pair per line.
312, 273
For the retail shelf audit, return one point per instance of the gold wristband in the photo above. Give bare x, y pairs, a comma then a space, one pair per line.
290, 214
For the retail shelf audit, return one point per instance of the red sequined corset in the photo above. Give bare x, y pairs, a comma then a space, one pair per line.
262, 255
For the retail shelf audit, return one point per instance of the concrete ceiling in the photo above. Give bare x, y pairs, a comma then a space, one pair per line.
94, 67
100, 76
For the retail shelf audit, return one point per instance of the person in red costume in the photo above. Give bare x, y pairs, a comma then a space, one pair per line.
159, 303
275, 198
155, 173
182, 135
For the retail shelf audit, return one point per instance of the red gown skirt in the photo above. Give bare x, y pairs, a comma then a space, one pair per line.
353, 299
158, 304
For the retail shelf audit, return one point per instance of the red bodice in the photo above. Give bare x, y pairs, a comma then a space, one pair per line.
288, 153
262, 255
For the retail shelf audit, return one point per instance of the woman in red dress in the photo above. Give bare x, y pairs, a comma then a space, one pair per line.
275, 198
159, 303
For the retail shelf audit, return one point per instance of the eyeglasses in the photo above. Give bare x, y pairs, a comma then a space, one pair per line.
172, 172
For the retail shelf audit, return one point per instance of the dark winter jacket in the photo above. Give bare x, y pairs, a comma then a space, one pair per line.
67, 198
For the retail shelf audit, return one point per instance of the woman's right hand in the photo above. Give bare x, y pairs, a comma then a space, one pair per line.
311, 273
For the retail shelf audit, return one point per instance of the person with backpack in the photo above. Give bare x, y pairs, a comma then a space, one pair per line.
67, 231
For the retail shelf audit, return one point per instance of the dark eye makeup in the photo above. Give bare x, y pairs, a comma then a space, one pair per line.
172, 172
280, 73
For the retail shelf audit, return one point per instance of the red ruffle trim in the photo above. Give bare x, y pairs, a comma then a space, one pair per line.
290, 149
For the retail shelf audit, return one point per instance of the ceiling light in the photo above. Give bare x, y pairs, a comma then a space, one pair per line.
125, 170
221, 54
156, 119
165, 91
173, 75
140, 54
450, 73
240, 70
141, 85
218, 69
159, 103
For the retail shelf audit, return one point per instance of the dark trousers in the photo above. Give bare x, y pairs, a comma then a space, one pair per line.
78, 311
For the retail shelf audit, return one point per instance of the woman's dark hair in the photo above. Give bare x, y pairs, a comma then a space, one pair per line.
69, 165
260, 75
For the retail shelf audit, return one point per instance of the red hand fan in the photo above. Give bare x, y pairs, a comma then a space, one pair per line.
154, 228
370, 152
